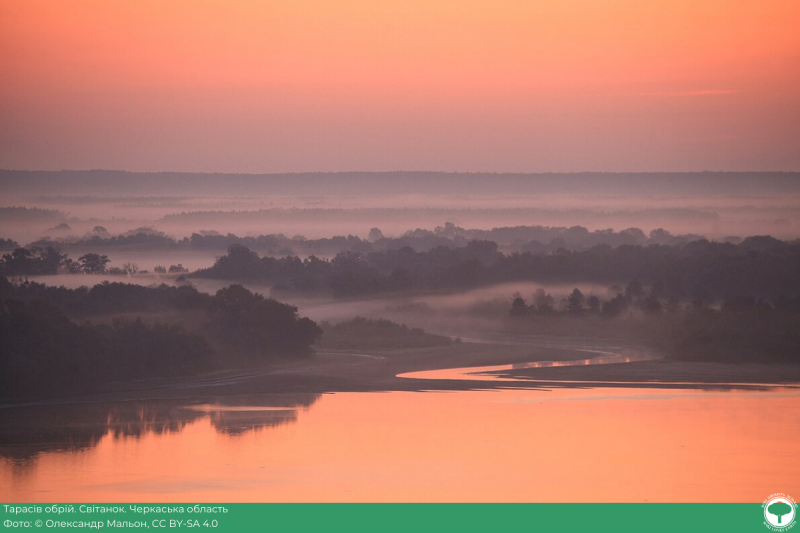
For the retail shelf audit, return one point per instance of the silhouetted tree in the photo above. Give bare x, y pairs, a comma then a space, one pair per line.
518, 307
101, 232
545, 304
615, 306
130, 268
375, 234
93, 263
575, 302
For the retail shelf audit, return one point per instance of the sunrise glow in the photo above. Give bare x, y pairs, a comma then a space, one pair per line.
554, 85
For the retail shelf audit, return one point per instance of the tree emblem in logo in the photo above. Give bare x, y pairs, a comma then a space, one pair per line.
779, 509
779, 512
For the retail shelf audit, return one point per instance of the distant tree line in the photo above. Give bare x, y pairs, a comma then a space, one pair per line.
650, 301
760, 266
19, 214
535, 239
49, 260
742, 328
35, 261
8, 244
544, 239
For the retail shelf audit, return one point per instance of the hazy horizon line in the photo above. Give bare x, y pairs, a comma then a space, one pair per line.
301, 172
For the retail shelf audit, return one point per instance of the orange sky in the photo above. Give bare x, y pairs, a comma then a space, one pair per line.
500, 85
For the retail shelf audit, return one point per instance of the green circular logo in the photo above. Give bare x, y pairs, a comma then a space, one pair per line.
780, 512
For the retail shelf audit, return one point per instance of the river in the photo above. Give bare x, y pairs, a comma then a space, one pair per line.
603, 444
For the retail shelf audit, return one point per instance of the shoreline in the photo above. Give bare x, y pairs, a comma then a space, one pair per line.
332, 371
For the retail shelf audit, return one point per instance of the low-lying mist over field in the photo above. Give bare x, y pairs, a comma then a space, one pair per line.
63, 205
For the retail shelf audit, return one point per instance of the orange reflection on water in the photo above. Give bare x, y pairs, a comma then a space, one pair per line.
484, 373
512, 445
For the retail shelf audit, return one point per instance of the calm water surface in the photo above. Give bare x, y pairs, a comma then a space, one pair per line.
566, 444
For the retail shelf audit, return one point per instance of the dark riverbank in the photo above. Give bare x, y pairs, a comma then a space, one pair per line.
376, 371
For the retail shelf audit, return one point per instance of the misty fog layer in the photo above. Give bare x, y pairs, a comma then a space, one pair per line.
715, 205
